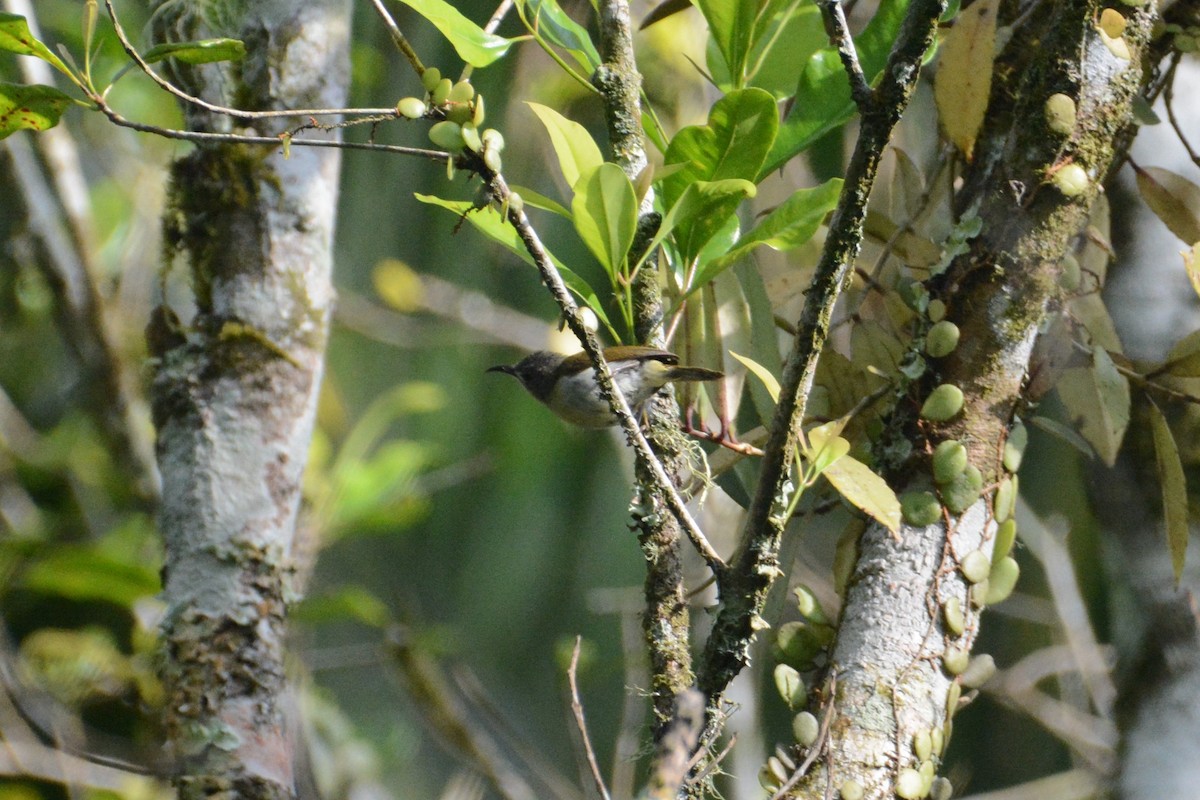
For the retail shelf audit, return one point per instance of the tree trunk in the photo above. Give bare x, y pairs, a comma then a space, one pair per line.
235, 388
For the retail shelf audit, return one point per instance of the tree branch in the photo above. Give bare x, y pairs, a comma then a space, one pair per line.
755, 565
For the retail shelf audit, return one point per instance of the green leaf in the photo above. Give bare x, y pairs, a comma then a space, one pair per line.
539, 200
764, 339
824, 445
1064, 433
823, 99
705, 208
347, 603
489, 223
789, 225
1097, 397
205, 51
732, 28
380, 490
786, 41
553, 24
741, 127
762, 373
865, 490
15, 37
34, 108
576, 149
1174, 488
473, 45
85, 574
605, 211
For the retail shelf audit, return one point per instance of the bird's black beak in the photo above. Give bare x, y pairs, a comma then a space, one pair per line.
505, 368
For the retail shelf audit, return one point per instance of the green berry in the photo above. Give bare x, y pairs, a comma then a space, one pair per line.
411, 107
920, 508
441, 93
448, 135
943, 403
1071, 180
430, 78
462, 92
976, 566
941, 339
1002, 580
1060, 113
949, 461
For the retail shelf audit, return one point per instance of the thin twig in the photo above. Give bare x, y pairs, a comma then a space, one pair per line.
277, 141
166, 85
839, 34
581, 723
1169, 102
398, 37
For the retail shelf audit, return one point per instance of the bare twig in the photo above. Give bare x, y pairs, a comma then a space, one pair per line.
167, 86
839, 35
581, 723
398, 37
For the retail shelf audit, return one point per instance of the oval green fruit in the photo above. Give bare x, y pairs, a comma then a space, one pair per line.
922, 745
909, 784
805, 728
1071, 180
1002, 580
949, 461
851, 790
430, 78
943, 403
962, 492
1006, 534
470, 137
952, 615
976, 566
955, 659
461, 92
920, 508
790, 685
1060, 113
411, 107
941, 339
1014, 445
978, 672
441, 93
448, 135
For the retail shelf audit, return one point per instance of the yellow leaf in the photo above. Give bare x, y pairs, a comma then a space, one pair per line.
1191, 263
763, 374
865, 490
397, 285
964, 76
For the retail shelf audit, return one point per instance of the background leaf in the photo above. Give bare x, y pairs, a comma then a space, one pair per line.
741, 127
1174, 199
488, 222
556, 27
15, 37
1097, 397
205, 51
964, 75
822, 98
1174, 488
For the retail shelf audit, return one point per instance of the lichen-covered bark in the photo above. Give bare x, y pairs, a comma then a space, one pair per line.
235, 386
887, 666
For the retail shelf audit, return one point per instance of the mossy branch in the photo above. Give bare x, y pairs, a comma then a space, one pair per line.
755, 567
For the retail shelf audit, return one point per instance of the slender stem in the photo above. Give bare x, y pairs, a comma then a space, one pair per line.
839, 35
166, 85
581, 723
398, 37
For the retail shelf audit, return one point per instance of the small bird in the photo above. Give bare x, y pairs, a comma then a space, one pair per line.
567, 384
